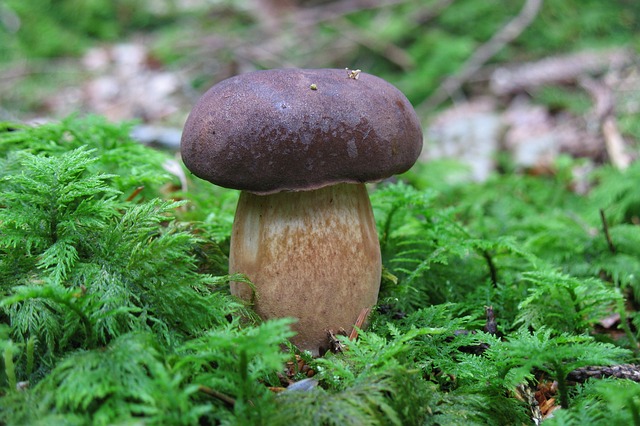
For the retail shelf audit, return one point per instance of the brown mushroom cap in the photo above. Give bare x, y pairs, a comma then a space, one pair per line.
297, 129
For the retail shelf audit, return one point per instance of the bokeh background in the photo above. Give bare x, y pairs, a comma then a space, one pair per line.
525, 80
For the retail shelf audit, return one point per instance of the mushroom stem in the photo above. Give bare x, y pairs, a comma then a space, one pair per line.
312, 255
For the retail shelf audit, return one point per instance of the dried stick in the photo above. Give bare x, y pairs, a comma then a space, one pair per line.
615, 143
485, 52
359, 323
327, 12
218, 395
563, 69
135, 193
605, 229
622, 371
604, 111
302, 20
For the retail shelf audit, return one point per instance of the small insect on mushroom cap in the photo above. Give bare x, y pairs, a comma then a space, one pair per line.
353, 74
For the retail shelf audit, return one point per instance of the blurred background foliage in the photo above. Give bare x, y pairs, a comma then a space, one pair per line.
415, 44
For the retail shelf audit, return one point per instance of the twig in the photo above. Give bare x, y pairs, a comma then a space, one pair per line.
302, 20
605, 229
135, 193
622, 371
359, 323
434, 10
565, 69
327, 12
485, 52
492, 267
336, 345
330, 11
604, 111
615, 143
218, 395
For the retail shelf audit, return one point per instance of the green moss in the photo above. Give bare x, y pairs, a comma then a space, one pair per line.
117, 309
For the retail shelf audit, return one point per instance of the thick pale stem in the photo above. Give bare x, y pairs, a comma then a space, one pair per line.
312, 255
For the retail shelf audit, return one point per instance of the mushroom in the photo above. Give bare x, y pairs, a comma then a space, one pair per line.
300, 144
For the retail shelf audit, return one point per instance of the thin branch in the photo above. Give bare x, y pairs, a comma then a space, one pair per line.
218, 395
614, 143
562, 69
297, 25
604, 109
330, 11
605, 229
359, 323
622, 371
135, 193
492, 267
504, 36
